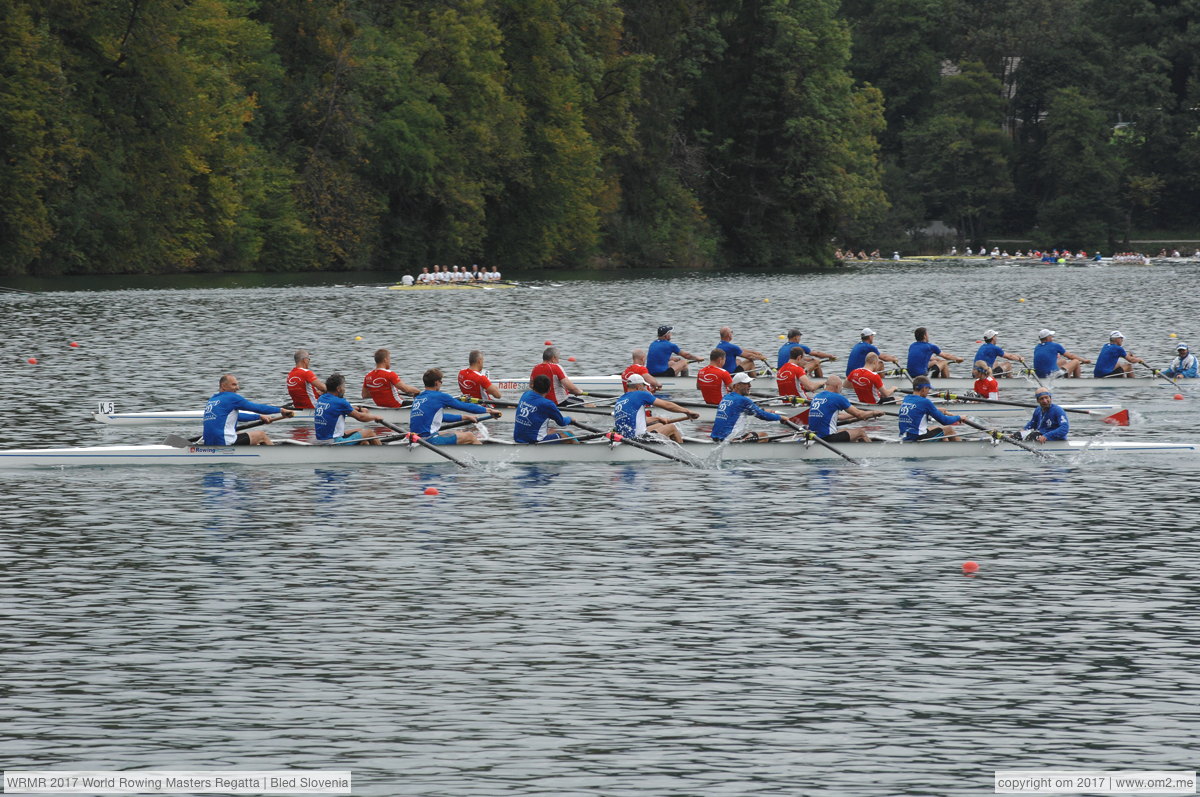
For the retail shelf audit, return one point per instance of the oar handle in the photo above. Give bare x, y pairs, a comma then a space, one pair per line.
996, 434
249, 425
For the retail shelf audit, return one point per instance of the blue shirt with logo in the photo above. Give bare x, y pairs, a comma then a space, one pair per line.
221, 416
919, 352
1045, 357
534, 413
914, 411
629, 416
1051, 423
731, 409
658, 355
329, 416
428, 411
823, 411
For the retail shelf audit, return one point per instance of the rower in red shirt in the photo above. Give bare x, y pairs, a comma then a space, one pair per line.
383, 385
792, 379
985, 385
713, 381
302, 384
473, 381
639, 367
868, 384
560, 385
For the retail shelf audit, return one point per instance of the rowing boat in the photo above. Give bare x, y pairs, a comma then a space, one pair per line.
196, 417
702, 454
452, 286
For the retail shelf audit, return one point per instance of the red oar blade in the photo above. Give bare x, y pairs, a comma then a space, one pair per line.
1118, 418
802, 418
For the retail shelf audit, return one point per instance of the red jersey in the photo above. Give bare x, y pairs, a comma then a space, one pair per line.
633, 369
474, 383
557, 393
987, 387
300, 387
787, 379
867, 384
713, 382
384, 388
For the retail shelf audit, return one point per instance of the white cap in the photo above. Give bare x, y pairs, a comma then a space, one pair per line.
636, 379
1045, 333
991, 333
1116, 333
742, 376
1182, 347
867, 332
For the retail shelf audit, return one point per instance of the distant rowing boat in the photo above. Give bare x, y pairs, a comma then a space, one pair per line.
603, 452
453, 286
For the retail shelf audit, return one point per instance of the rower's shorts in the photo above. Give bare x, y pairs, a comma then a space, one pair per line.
243, 439
347, 439
837, 437
555, 437
932, 434
667, 372
448, 439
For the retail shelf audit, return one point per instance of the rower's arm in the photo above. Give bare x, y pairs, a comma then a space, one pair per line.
809, 385
1070, 356
1013, 357
408, 389
320, 386
671, 406
493, 391
364, 416
889, 358
365, 393
822, 355
570, 386
864, 415
652, 382
688, 356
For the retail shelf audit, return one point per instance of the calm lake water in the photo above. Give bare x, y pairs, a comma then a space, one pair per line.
773, 629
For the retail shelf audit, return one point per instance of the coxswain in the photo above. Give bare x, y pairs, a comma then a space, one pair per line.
985, 385
858, 354
917, 409
383, 385
221, 417
473, 381
813, 357
1184, 364
1108, 362
925, 358
665, 358
737, 358
713, 381
1051, 359
560, 384
329, 418
868, 384
792, 379
1049, 421
629, 413
638, 366
736, 405
535, 412
428, 413
407, 280
991, 352
829, 406
302, 384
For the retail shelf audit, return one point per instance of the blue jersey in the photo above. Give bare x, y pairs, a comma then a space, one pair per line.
1184, 366
988, 352
1045, 357
858, 355
823, 411
221, 416
919, 353
732, 352
785, 353
428, 411
658, 356
914, 411
731, 409
1052, 423
1106, 361
629, 416
329, 416
534, 413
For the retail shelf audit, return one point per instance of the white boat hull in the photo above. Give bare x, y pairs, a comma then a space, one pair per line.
704, 454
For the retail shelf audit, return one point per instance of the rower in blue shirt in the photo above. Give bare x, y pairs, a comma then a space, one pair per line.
1051, 359
629, 412
736, 404
921, 352
428, 413
1049, 421
737, 358
829, 406
1184, 364
535, 412
1108, 362
331, 411
813, 358
915, 411
664, 358
221, 417
858, 355
991, 351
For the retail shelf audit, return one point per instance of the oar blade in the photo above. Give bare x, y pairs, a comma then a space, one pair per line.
1120, 418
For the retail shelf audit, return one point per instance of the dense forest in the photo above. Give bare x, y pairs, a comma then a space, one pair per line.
235, 135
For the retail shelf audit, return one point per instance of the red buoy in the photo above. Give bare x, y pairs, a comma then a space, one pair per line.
431, 491
970, 567
33, 361
74, 345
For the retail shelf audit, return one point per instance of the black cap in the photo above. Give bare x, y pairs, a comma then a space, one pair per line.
664, 330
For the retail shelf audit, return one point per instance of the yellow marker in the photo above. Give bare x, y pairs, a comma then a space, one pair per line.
783, 337
1174, 335
766, 300
1020, 300
358, 337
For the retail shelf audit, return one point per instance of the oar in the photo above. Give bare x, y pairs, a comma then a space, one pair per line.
1119, 418
996, 434
241, 427
1161, 375
808, 435
617, 438
415, 438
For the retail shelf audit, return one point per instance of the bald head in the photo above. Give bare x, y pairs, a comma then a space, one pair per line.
726, 333
873, 362
833, 382
639, 356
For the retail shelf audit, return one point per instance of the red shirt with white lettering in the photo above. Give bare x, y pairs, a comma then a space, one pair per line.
474, 383
867, 384
384, 387
301, 388
987, 387
713, 382
634, 369
787, 379
557, 393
